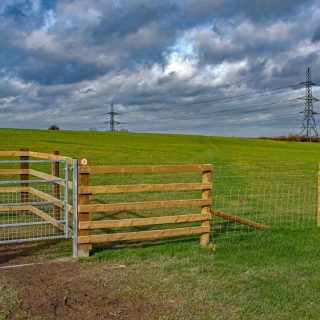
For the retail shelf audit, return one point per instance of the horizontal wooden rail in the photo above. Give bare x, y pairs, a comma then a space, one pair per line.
142, 221
13, 171
14, 153
132, 169
48, 197
13, 189
238, 219
143, 205
47, 156
8, 208
143, 188
47, 176
142, 235
40, 155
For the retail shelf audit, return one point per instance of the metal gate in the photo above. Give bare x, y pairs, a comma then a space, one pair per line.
33, 202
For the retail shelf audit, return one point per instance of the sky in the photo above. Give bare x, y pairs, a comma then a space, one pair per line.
213, 67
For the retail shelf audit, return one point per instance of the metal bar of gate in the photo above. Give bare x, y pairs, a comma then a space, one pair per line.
28, 223
30, 239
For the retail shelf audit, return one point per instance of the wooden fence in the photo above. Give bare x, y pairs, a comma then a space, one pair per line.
86, 209
86, 233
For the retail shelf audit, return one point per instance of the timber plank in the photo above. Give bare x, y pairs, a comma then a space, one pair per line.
47, 176
47, 156
48, 218
142, 221
48, 197
14, 189
142, 235
143, 188
13, 171
238, 219
145, 168
14, 153
143, 205
8, 208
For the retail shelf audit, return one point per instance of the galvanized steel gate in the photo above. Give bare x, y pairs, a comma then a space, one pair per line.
33, 208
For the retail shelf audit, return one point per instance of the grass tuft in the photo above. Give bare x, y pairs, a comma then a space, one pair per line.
8, 302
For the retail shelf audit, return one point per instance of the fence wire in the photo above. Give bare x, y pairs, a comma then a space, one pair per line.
277, 195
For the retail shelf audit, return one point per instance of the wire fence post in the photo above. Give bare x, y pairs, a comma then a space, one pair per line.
318, 216
75, 207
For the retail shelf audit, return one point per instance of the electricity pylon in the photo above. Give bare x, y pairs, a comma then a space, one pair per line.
309, 126
112, 122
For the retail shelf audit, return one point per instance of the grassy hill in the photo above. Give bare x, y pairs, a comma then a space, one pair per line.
272, 274
137, 148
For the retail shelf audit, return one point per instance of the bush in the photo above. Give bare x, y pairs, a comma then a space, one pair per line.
54, 127
292, 137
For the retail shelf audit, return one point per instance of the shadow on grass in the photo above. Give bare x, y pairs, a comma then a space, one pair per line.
24, 250
222, 228
165, 245
142, 244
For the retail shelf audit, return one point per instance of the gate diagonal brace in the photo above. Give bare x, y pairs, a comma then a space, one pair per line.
48, 218
238, 219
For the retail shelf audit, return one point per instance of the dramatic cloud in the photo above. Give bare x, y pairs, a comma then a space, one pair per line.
167, 65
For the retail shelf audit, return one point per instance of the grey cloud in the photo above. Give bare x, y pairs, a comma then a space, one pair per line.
82, 55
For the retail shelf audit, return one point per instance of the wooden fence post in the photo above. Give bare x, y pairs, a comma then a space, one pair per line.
206, 195
83, 181
24, 196
55, 171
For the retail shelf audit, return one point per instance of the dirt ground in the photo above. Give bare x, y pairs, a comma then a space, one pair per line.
66, 289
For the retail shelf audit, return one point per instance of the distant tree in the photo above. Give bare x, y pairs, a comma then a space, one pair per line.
54, 127
293, 137
124, 130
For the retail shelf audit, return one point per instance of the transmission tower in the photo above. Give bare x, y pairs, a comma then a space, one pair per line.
112, 122
309, 127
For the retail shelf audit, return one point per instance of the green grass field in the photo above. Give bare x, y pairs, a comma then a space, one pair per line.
271, 274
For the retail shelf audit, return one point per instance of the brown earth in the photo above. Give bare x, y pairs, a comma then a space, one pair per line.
66, 289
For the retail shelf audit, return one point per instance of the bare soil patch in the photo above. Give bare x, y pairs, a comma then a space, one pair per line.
68, 290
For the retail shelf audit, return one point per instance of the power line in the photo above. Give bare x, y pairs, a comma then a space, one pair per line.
222, 113
217, 113
281, 116
218, 100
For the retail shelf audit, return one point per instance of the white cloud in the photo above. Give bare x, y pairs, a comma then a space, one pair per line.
77, 57
42, 40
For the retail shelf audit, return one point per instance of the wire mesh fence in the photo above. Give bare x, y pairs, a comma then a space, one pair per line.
277, 195
31, 208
